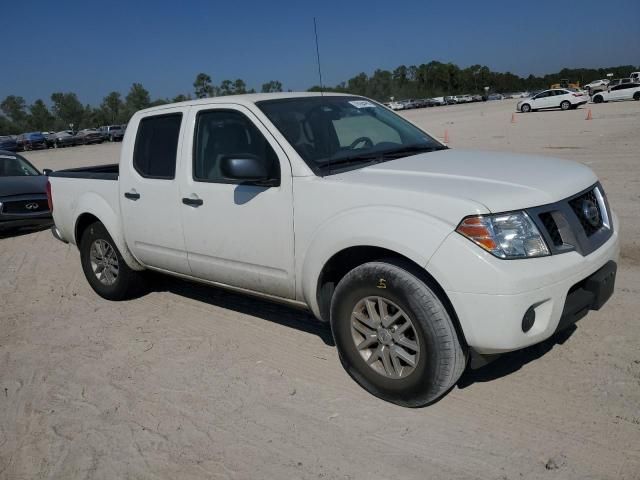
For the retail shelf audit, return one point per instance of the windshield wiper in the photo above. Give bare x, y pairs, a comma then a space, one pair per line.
374, 157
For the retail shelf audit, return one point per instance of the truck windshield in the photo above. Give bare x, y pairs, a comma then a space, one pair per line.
337, 133
16, 166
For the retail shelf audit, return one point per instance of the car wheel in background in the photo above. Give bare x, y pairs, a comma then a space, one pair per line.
565, 105
394, 335
598, 99
105, 269
525, 108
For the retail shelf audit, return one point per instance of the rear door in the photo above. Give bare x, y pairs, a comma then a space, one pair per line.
236, 234
149, 192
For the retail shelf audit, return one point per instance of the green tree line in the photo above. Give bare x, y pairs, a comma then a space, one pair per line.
415, 81
66, 109
436, 79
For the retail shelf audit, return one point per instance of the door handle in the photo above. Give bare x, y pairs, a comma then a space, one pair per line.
132, 195
192, 202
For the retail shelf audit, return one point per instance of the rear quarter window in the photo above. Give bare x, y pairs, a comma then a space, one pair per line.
156, 146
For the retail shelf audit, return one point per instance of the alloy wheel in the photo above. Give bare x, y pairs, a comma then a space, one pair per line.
385, 337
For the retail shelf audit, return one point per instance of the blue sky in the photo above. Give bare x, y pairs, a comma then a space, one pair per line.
92, 48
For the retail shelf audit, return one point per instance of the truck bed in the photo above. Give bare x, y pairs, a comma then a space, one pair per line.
100, 172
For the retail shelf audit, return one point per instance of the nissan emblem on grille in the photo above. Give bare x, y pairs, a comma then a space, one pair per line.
31, 206
591, 212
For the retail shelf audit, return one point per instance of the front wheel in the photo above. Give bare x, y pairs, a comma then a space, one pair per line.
525, 108
598, 99
636, 96
105, 269
394, 335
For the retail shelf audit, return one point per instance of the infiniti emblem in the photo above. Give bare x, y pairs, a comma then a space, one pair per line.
32, 206
590, 212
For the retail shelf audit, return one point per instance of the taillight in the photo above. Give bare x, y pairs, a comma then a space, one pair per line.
577, 94
49, 197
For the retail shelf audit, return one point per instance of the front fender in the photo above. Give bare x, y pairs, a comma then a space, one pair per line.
93, 204
410, 233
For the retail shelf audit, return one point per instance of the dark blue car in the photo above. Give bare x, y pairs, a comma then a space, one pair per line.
8, 144
31, 141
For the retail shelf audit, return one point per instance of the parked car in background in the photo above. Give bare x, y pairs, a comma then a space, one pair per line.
635, 77
596, 86
396, 106
624, 91
87, 137
50, 137
112, 133
8, 144
528, 249
495, 96
437, 101
450, 100
561, 98
23, 194
31, 141
64, 139
619, 81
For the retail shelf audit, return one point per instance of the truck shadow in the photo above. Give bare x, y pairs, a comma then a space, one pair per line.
511, 362
244, 304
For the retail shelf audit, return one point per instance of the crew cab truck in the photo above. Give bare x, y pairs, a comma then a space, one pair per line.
418, 255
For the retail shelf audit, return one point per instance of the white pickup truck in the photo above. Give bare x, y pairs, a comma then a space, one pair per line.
417, 255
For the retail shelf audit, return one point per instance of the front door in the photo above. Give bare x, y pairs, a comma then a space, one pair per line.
236, 234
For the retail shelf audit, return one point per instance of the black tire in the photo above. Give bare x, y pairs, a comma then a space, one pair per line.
598, 99
636, 96
128, 283
525, 108
565, 105
441, 357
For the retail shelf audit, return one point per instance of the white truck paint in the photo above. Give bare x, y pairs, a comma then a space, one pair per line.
277, 241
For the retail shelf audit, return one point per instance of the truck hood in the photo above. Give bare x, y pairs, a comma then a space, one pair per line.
10, 186
498, 181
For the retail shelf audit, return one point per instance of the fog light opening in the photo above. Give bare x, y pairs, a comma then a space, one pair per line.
529, 319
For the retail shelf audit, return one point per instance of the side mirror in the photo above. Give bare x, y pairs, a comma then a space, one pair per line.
47, 171
247, 168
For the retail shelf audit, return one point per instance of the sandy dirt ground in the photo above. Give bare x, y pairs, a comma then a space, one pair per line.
192, 382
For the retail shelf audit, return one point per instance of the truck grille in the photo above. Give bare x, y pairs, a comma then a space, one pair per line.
25, 207
579, 223
587, 209
552, 228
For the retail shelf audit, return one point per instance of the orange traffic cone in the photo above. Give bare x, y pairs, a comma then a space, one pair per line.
513, 118
589, 116
446, 136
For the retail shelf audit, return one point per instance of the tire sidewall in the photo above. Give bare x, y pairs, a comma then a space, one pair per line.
418, 387
565, 105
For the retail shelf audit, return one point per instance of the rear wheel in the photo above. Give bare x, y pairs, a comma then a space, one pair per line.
525, 108
394, 335
105, 269
636, 96
565, 105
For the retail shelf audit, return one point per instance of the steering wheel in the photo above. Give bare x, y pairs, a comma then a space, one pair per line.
368, 143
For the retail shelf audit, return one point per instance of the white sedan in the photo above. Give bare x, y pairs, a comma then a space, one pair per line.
624, 91
562, 98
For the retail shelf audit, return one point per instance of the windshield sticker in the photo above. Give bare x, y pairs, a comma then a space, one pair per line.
362, 104
9, 157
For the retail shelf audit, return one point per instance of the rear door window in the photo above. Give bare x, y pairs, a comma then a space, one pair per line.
156, 146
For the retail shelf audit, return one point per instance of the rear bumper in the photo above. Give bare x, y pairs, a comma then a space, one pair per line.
492, 296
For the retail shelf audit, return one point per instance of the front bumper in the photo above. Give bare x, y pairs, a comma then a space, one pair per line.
15, 223
491, 296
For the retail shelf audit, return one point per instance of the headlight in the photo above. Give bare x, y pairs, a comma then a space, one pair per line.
505, 235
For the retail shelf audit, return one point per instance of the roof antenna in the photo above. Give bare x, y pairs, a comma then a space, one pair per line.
315, 29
